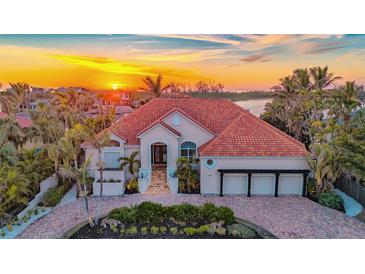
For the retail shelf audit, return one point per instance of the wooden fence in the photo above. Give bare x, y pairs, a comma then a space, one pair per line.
353, 188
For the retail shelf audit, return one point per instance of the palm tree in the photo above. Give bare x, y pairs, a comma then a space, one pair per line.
46, 124
302, 79
10, 131
155, 87
82, 178
98, 141
7, 102
21, 92
133, 165
286, 88
8, 154
350, 100
321, 78
54, 153
13, 188
70, 106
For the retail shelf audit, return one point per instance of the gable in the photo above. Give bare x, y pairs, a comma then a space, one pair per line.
188, 129
157, 129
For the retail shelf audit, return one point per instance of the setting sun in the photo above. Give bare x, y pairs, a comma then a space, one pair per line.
115, 86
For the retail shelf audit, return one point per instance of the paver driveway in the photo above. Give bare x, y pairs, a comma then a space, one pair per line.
285, 217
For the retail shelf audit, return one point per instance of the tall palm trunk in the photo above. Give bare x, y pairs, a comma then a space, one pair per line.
101, 173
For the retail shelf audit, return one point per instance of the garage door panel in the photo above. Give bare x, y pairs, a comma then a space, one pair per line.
262, 185
290, 184
235, 184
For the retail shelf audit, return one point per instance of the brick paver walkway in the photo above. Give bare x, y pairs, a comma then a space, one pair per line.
285, 217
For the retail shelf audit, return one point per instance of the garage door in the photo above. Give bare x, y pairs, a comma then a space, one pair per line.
235, 184
290, 184
262, 184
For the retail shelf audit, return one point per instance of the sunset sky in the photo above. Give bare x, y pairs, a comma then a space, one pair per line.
240, 62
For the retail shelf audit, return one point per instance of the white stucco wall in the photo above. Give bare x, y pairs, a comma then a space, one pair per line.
94, 159
154, 135
210, 178
189, 130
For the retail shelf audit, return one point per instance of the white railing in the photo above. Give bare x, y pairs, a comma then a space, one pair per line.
172, 180
144, 179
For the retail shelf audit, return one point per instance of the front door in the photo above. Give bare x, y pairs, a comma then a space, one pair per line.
159, 154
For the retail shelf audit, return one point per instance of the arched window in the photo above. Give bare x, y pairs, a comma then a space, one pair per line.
188, 149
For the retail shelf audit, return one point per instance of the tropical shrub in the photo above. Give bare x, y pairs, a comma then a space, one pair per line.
131, 230
53, 196
185, 213
132, 185
155, 230
144, 230
188, 178
155, 214
190, 231
202, 229
224, 214
125, 215
148, 212
331, 199
174, 230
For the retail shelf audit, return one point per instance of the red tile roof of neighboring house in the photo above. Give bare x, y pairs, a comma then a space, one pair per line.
23, 122
238, 133
249, 136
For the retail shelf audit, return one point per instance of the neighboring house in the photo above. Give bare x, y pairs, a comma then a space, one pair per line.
239, 153
22, 119
120, 111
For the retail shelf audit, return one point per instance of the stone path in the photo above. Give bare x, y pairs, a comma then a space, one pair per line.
285, 217
158, 182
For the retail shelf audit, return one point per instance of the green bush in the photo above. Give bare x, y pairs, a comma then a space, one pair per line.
224, 214
125, 215
150, 213
155, 214
53, 196
144, 230
190, 231
332, 200
163, 229
174, 230
155, 230
131, 231
185, 213
202, 229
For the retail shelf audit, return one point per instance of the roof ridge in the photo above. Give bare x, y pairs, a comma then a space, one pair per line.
214, 140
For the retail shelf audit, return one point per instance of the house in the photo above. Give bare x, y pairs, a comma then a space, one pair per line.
239, 153
23, 120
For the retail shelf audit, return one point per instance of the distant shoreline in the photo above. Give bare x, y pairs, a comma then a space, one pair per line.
233, 96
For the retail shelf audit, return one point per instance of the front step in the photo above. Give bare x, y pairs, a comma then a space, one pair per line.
158, 183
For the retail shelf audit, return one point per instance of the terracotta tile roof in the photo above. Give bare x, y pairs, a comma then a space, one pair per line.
23, 122
158, 122
249, 136
213, 114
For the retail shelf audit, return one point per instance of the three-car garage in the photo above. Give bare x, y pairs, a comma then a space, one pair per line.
262, 182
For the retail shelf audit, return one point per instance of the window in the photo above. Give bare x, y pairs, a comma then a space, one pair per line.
188, 149
111, 159
210, 163
176, 120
